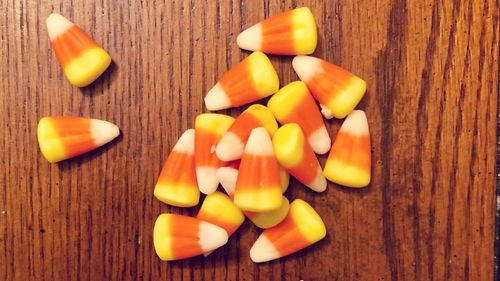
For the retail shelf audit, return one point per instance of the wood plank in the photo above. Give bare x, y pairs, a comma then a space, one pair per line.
432, 74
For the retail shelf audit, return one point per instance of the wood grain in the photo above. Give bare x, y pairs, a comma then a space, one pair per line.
432, 71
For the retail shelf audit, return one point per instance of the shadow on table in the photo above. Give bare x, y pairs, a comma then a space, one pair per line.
107, 77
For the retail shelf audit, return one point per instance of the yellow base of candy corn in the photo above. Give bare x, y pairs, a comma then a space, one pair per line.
87, 67
177, 195
162, 243
308, 220
264, 76
269, 219
346, 175
305, 34
345, 102
284, 179
259, 201
48, 139
264, 115
220, 206
288, 144
276, 102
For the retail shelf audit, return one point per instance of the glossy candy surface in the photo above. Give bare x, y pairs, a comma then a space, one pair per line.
294, 104
61, 138
177, 185
209, 128
179, 237
301, 228
349, 161
82, 60
252, 79
296, 156
258, 186
337, 90
289, 33
232, 143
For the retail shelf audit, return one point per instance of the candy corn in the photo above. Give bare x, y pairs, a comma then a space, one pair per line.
82, 60
301, 228
178, 237
209, 128
61, 138
349, 161
219, 209
232, 143
270, 218
289, 33
294, 104
296, 156
337, 90
228, 175
177, 184
252, 79
258, 187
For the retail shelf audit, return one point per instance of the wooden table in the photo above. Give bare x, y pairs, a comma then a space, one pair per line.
432, 74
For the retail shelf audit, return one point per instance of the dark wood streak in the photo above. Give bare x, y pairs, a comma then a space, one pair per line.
456, 132
422, 128
387, 62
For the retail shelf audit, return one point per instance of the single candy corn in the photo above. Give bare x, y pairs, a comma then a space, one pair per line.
258, 187
219, 209
228, 175
337, 90
61, 138
178, 237
82, 60
209, 128
270, 218
252, 79
289, 33
301, 228
349, 162
232, 143
295, 154
177, 184
294, 104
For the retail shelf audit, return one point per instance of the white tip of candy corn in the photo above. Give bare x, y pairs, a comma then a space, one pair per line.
57, 25
320, 140
326, 112
319, 184
211, 236
251, 38
103, 131
207, 179
356, 124
259, 143
263, 250
230, 147
185, 143
306, 67
217, 99
227, 177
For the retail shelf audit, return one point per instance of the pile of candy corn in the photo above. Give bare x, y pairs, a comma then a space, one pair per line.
250, 156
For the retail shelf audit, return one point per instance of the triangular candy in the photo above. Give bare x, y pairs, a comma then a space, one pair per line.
82, 60
61, 138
